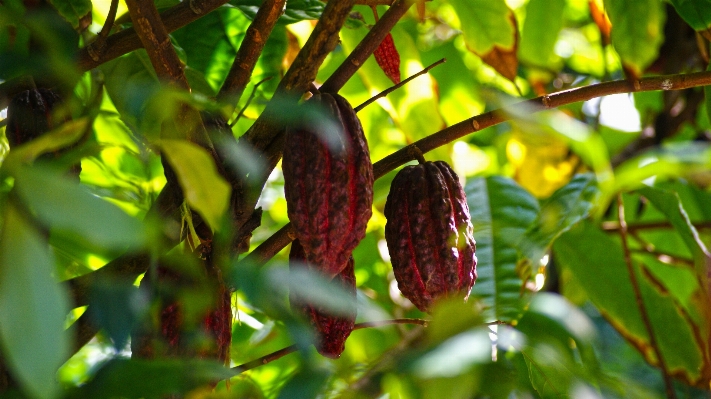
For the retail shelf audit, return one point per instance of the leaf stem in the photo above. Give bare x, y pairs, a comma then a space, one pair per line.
640, 302
399, 85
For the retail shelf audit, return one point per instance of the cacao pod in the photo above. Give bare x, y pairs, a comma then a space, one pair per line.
29, 115
32, 113
332, 330
176, 330
429, 234
328, 181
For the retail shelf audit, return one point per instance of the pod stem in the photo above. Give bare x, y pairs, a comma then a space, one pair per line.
415, 153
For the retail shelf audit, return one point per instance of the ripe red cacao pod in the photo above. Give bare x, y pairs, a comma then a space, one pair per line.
328, 181
429, 234
332, 330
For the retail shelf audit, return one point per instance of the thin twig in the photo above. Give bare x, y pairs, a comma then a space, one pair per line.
282, 238
249, 100
640, 302
399, 85
249, 50
127, 40
612, 226
97, 47
365, 48
293, 348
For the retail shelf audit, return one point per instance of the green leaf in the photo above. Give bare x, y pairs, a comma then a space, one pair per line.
566, 207
544, 20
501, 211
72, 10
305, 384
696, 13
296, 10
637, 31
71, 212
151, 378
205, 190
668, 202
485, 24
550, 374
596, 261
33, 306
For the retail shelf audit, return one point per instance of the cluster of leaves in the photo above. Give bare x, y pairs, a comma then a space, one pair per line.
591, 240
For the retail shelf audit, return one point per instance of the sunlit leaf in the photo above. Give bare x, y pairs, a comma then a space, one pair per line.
33, 306
566, 207
75, 214
490, 31
205, 190
696, 13
596, 260
151, 378
544, 20
635, 22
501, 211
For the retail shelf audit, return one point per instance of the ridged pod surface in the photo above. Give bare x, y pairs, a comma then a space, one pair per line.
332, 331
328, 181
429, 234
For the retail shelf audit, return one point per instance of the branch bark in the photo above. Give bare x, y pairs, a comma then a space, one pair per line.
283, 237
250, 49
365, 48
126, 41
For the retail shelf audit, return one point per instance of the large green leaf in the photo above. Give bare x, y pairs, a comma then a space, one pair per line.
635, 22
72, 10
71, 212
296, 10
566, 207
126, 378
696, 13
485, 24
596, 261
501, 212
205, 190
33, 306
544, 20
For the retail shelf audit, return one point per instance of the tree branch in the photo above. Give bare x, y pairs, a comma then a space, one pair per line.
126, 41
640, 302
282, 238
611, 226
250, 49
365, 48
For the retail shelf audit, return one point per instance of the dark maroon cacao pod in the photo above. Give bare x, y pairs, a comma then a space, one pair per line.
29, 115
328, 181
429, 234
332, 331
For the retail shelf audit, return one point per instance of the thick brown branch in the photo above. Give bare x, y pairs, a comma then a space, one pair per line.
155, 39
365, 48
250, 49
126, 41
281, 238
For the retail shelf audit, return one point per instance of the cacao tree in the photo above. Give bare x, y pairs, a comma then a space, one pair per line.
548, 222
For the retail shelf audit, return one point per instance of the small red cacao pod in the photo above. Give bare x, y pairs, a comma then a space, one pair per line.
332, 330
429, 234
30, 115
388, 58
328, 181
